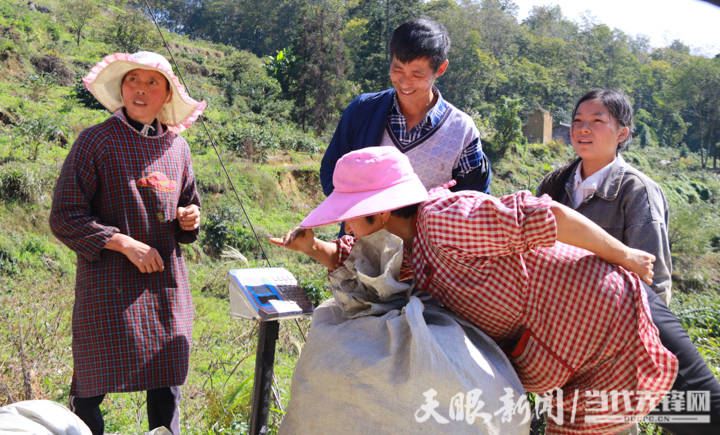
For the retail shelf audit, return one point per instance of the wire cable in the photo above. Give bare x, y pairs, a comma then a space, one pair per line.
217, 153
212, 141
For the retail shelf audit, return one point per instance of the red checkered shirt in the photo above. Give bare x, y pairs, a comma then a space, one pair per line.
131, 331
576, 323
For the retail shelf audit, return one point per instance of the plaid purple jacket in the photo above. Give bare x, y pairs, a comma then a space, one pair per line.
131, 331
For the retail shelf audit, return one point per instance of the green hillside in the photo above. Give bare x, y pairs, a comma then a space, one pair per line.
273, 162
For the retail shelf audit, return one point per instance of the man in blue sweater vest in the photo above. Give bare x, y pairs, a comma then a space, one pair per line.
441, 141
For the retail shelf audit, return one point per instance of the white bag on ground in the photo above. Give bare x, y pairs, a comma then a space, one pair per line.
379, 361
40, 417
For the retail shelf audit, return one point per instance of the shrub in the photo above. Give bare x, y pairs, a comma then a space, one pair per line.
54, 66
8, 262
684, 150
22, 185
699, 314
257, 141
85, 97
685, 232
224, 228
7, 47
37, 131
508, 124
644, 133
131, 31
39, 84
704, 317
54, 32
245, 82
37, 251
313, 280
250, 140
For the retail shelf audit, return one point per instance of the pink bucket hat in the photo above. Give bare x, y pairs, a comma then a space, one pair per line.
105, 79
368, 181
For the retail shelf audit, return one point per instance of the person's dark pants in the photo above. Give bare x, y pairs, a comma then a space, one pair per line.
162, 409
693, 375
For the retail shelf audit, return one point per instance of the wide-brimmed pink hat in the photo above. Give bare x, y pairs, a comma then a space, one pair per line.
368, 181
105, 80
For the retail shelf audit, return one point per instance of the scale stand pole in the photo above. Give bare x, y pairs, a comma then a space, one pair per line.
264, 362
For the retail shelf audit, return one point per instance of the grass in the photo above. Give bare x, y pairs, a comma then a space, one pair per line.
37, 280
278, 184
700, 315
35, 307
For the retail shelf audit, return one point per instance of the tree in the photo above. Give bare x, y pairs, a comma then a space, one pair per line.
370, 55
698, 88
37, 131
472, 72
507, 124
652, 93
132, 31
472, 78
643, 131
673, 127
319, 53
610, 62
549, 22
246, 84
259, 26
77, 14
498, 28
553, 43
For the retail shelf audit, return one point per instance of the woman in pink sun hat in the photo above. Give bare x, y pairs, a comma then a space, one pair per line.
534, 275
126, 197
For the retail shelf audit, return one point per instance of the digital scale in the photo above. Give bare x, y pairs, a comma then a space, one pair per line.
265, 294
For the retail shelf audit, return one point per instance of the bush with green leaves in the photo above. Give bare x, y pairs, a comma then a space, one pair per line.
19, 184
257, 141
684, 151
644, 135
690, 230
132, 31
37, 131
7, 48
22, 253
225, 227
699, 314
508, 125
85, 97
245, 82
39, 251
311, 278
39, 84
8, 262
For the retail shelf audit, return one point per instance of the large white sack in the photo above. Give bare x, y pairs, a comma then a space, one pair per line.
378, 360
40, 417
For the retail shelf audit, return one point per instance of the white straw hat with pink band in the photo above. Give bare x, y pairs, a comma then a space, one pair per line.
104, 81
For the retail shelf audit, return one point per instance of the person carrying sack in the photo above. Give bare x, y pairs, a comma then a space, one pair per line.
536, 276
